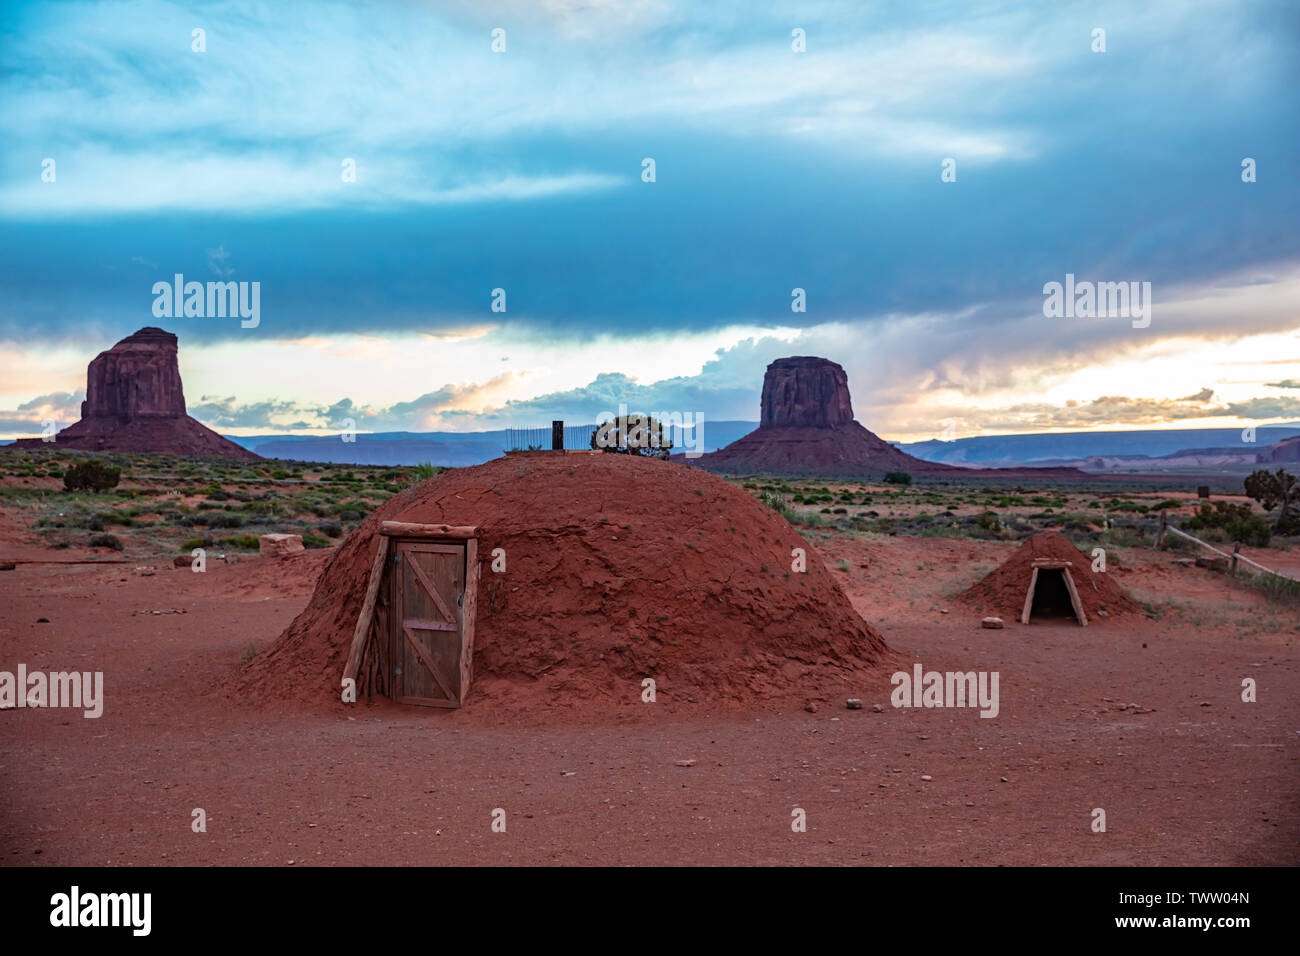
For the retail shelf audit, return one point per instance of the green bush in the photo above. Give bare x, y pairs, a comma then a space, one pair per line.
1235, 520
245, 542
315, 541
92, 475
204, 542
225, 520
105, 541
898, 478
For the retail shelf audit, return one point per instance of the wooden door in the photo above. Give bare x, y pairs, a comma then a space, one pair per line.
430, 652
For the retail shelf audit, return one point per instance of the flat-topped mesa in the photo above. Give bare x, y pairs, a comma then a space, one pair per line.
134, 403
807, 429
139, 377
805, 392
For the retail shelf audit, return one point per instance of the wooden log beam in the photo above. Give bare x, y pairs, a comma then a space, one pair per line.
407, 529
1074, 597
1029, 597
367, 611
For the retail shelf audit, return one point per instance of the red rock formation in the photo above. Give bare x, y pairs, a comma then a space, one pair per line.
805, 392
135, 403
138, 377
1288, 449
807, 430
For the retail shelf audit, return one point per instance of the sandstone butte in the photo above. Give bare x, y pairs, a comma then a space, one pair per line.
807, 429
135, 403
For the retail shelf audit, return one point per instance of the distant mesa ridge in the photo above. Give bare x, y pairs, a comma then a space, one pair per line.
135, 403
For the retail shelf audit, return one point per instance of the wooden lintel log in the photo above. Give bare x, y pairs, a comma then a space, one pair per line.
407, 529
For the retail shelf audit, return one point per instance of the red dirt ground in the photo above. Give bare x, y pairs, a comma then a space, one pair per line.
1190, 775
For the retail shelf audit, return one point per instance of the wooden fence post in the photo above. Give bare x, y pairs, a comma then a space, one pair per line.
1236, 550
557, 436
1160, 535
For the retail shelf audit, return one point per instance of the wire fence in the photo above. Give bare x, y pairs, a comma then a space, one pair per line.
576, 437
1234, 558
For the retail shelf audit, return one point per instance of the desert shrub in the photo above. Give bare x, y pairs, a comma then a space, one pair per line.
1167, 504
898, 478
245, 542
634, 434
225, 520
425, 470
207, 541
1280, 490
105, 541
92, 475
331, 529
1236, 521
315, 541
988, 521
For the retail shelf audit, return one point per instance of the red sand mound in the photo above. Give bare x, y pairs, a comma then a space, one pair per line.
617, 568
1002, 591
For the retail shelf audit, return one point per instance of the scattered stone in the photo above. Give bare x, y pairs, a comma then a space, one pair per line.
1205, 703
992, 622
853, 703
877, 708
1004, 779
42, 620
926, 776
943, 610
686, 763
811, 707
279, 545
182, 561
7, 565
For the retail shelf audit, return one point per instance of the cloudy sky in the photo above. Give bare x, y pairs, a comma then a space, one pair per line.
522, 170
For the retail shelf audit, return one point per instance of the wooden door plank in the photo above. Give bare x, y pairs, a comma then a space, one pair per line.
468, 613
428, 702
362, 629
422, 625
397, 604
433, 593
427, 661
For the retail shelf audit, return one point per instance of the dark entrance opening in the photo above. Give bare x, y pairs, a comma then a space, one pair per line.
1052, 593
1051, 596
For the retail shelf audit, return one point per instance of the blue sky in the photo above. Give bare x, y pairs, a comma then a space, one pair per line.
774, 170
